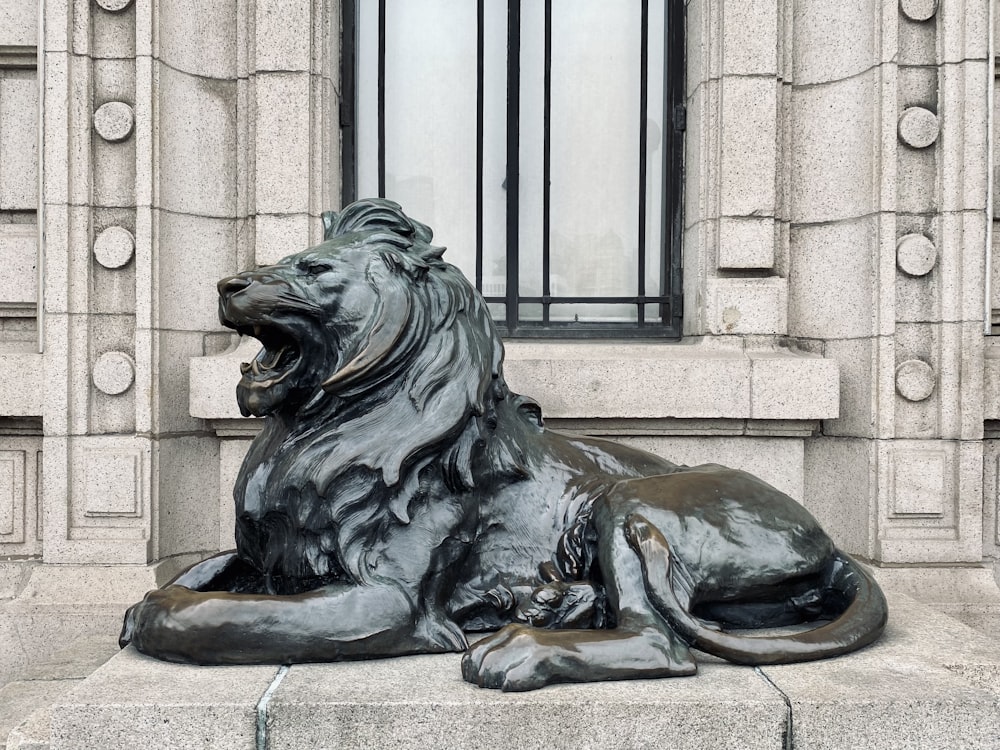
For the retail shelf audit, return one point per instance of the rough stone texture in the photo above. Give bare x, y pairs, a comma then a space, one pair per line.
168, 706
930, 682
747, 306
18, 143
423, 702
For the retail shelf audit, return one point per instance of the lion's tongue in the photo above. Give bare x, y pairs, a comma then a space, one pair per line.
275, 357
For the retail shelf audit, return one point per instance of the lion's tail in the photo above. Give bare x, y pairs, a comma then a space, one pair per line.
859, 624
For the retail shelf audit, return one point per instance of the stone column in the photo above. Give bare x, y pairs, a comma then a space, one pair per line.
887, 260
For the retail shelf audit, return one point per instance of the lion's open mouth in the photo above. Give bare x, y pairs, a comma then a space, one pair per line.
277, 358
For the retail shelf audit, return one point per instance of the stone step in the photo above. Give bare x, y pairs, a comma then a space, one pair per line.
931, 682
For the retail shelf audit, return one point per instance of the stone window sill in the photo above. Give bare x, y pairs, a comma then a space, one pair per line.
699, 378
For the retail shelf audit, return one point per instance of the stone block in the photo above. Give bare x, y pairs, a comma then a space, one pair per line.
170, 706
170, 413
704, 42
278, 236
844, 702
20, 698
18, 25
750, 54
112, 35
778, 461
960, 274
833, 285
746, 243
197, 149
18, 144
20, 524
188, 471
929, 682
422, 702
835, 42
964, 135
859, 388
200, 38
949, 525
701, 154
231, 454
964, 31
631, 380
67, 259
840, 475
282, 143
785, 387
833, 169
955, 386
917, 41
19, 249
212, 381
60, 641
194, 253
749, 146
281, 27
738, 306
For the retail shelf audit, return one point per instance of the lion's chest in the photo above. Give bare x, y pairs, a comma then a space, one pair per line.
282, 527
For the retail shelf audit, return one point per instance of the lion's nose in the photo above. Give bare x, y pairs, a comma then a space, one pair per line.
232, 284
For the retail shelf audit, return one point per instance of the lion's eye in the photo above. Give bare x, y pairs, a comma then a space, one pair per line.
315, 269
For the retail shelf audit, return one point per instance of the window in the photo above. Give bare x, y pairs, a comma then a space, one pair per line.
541, 139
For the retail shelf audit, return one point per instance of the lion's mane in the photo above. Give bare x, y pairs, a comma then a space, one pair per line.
419, 402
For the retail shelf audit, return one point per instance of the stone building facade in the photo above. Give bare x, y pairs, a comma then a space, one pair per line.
839, 279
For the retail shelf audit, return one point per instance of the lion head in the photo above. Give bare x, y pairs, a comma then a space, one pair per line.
379, 362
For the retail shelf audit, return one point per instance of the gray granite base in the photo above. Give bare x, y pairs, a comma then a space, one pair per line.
931, 682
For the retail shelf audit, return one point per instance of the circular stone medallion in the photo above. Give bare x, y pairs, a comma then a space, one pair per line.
918, 10
915, 380
114, 121
918, 127
114, 373
915, 254
114, 247
114, 5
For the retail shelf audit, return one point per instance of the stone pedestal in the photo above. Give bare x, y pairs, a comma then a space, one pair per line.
930, 682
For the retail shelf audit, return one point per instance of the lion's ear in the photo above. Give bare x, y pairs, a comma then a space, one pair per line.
382, 343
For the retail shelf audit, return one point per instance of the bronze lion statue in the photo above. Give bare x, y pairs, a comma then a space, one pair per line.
401, 496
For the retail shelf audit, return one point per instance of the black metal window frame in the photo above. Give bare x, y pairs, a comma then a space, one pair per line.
669, 302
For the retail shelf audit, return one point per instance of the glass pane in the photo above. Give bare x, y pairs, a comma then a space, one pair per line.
531, 156
655, 90
495, 148
430, 105
595, 148
581, 313
653, 316
367, 95
529, 313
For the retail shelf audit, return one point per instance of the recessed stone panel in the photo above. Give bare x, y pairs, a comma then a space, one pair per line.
111, 484
19, 144
918, 481
12, 496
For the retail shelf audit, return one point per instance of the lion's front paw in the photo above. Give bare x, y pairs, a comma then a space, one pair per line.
512, 659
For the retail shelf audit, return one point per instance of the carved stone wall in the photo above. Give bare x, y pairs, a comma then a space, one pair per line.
835, 271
